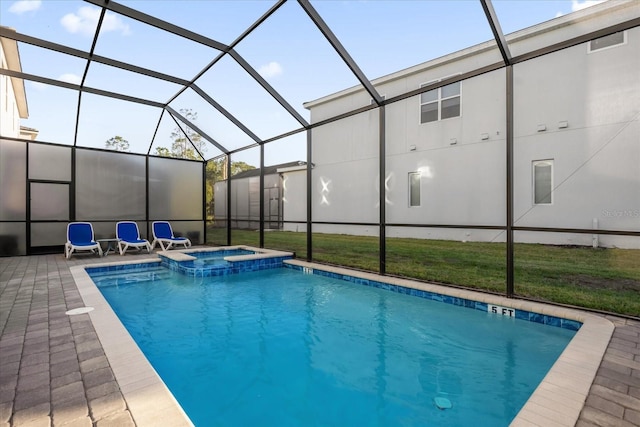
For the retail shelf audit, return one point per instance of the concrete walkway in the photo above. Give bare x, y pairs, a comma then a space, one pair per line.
54, 372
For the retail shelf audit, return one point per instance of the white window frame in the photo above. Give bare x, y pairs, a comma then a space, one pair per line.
535, 163
438, 101
613, 46
409, 185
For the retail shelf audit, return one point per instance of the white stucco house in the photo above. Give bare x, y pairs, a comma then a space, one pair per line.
576, 133
13, 99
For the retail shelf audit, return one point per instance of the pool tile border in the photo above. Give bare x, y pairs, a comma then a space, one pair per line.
123, 265
557, 401
529, 316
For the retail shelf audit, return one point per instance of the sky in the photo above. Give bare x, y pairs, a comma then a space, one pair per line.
381, 36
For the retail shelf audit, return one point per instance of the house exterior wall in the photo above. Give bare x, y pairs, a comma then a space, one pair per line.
462, 160
9, 114
294, 196
344, 187
597, 157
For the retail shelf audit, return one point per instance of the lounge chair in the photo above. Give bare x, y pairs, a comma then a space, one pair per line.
128, 235
163, 234
80, 237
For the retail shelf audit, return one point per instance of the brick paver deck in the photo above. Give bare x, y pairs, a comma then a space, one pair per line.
54, 372
614, 398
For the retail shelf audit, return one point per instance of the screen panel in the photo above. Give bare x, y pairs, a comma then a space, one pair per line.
13, 180
588, 270
48, 234
192, 230
110, 186
13, 238
49, 162
576, 146
49, 201
175, 189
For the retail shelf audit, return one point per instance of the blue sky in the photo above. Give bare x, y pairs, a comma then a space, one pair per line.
289, 52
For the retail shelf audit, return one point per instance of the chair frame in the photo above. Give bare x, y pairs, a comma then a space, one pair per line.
139, 243
92, 245
169, 241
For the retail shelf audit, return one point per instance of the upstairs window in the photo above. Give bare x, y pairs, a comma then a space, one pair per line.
439, 104
542, 182
606, 42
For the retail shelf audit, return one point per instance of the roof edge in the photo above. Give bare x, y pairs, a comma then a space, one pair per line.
517, 36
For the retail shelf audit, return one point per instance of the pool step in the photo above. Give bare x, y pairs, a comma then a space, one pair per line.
115, 278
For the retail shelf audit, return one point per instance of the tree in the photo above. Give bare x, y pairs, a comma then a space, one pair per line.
237, 167
117, 143
182, 147
216, 171
183, 144
163, 151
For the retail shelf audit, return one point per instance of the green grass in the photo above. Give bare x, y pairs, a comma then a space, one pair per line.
601, 279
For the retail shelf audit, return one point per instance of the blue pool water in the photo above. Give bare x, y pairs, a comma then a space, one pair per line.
283, 348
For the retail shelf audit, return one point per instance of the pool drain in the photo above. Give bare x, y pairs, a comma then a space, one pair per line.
442, 402
80, 310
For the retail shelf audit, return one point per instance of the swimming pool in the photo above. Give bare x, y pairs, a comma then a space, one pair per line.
300, 338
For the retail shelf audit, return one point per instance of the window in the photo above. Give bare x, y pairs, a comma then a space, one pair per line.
414, 189
542, 182
611, 40
439, 104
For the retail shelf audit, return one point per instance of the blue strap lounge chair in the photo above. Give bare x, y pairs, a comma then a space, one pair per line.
80, 237
163, 234
128, 235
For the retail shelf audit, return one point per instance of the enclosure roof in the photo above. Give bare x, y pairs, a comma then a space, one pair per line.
199, 79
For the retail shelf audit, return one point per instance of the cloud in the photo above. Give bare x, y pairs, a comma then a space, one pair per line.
112, 22
70, 78
579, 5
85, 22
38, 86
23, 6
272, 69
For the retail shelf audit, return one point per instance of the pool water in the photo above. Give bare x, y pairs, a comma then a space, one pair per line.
283, 348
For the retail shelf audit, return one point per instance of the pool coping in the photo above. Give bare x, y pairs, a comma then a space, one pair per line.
557, 401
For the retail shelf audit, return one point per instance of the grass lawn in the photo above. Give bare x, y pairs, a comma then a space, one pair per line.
602, 279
